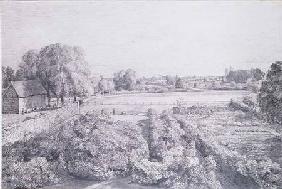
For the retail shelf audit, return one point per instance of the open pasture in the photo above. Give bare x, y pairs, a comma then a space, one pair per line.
140, 102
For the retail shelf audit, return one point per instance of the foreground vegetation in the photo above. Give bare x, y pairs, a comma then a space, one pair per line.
165, 150
189, 148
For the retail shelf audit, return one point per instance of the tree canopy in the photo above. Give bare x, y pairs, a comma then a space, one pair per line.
125, 80
170, 80
179, 83
105, 86
8, 74
61, 69
270, 95
241, 76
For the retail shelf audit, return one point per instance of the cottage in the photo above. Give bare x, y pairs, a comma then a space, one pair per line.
22, 96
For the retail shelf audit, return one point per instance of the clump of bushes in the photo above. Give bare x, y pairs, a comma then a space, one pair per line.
37, 172
174, 161
247, 105
86, 147
171, 154
265, 172
237, 105
98, 149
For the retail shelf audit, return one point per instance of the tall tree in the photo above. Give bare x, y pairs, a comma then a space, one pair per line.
170, 80
242, 76
239, 76
125, 80
257, 74
105, 86
270, 95
28, 66
179, 83
8, 74
61, 69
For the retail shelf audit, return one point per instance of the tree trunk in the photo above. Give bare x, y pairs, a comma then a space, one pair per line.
48, 94
62, 99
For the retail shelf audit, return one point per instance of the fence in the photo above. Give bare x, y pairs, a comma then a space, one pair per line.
159, 103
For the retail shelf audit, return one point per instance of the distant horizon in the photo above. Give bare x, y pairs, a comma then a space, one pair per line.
153, 38
16, 66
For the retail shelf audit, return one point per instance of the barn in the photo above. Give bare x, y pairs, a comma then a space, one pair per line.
23, 96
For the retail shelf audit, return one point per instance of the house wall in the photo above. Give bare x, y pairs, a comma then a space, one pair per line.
10, 102
10, 106
53, 101
31, 102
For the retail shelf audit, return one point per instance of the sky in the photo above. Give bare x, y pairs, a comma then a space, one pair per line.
152, 37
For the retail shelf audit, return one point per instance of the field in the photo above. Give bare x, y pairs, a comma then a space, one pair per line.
138, 103
134, 106
232, 130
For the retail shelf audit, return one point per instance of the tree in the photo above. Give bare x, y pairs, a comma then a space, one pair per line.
270, 94
179, 83
242, 76
257, 74
20, 76
8, 74
61, 69
170, 80
125, 80
239, 76
105, 86
28, 66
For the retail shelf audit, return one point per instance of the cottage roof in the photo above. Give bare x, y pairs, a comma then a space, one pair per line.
28, 88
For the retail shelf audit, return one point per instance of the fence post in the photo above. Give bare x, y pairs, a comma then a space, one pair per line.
78, 107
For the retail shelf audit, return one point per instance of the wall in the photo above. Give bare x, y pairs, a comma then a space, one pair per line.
31, 102
10, 106
10, 102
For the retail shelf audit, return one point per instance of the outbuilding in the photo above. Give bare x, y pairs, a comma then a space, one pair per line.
22, 96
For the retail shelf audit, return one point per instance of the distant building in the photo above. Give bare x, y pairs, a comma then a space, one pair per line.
22, 96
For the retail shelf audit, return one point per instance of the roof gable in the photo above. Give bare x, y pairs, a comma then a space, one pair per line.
9, 92
28, 88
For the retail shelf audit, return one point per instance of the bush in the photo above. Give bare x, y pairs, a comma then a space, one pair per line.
175, 161
33, 174
87, 147
266, 173
99, 148
236, 105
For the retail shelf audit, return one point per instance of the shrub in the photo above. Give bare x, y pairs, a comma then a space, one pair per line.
33, 174
266, 173
97, 148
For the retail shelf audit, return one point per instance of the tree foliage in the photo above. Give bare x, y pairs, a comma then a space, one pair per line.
28, 66
8, 74
170, 80
125, 80
61, 69
105, 86
179, 83
270, 95
241, 76
257, 74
